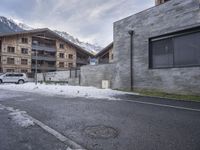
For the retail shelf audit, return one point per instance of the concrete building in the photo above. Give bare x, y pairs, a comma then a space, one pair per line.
165, 48
20, 50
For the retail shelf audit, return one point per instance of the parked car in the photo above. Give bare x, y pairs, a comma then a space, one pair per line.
19, 78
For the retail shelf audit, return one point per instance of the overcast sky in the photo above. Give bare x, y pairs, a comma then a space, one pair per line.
89, 20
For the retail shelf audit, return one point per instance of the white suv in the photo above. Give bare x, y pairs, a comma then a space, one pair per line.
19, 78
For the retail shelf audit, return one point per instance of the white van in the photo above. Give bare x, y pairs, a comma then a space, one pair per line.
19, 78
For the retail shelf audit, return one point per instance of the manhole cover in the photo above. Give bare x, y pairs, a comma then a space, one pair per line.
101, 132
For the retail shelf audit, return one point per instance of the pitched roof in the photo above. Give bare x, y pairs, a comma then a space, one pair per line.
51, 32
107, 48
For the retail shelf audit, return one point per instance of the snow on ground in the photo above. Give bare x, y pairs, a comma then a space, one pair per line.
66, 90
19, 117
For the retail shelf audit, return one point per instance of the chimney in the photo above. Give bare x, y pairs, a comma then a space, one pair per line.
158, 2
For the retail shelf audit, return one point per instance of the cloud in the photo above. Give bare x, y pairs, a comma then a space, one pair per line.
89, 20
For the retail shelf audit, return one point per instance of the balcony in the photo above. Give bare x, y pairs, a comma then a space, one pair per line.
43, 47
44, 57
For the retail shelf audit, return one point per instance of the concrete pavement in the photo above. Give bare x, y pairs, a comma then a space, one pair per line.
148, 125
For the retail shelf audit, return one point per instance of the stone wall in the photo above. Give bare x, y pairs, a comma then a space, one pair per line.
93, 75
166, 18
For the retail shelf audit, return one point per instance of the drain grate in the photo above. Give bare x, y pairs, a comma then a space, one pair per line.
101, 131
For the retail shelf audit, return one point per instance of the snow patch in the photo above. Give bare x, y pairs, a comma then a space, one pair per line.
65, 90
20, 117
2, 107
24, 26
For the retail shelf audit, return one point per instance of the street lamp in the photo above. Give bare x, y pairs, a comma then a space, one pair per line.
131, 33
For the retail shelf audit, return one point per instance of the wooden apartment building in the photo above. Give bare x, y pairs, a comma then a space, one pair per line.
19, 52
105, 55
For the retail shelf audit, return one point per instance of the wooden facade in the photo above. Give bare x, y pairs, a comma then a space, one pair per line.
106, 55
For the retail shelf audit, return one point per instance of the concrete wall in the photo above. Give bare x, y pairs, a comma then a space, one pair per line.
169, 17
60, 76
93, 75
55, 76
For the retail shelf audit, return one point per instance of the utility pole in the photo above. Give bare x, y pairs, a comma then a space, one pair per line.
131, 33
36, 64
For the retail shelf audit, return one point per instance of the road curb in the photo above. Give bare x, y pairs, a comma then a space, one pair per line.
71, 144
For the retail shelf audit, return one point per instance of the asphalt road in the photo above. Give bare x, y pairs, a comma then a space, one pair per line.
134, 123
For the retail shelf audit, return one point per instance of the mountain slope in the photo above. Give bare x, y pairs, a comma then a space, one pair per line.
89, 47
24, 26
9, 25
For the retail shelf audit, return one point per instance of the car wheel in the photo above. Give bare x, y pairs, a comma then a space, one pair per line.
21, 82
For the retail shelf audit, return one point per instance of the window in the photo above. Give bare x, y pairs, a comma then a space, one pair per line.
24, 50
70, 56
61, 46
17, 75
25, 40
61, 55
70, 65
162, 53
11, 49
24, 61
10, 61
187, 50
61, 64
9, 70
24, 71
176, 50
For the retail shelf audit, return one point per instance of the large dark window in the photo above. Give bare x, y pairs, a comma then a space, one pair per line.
162, 53
187, 50
180, 50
